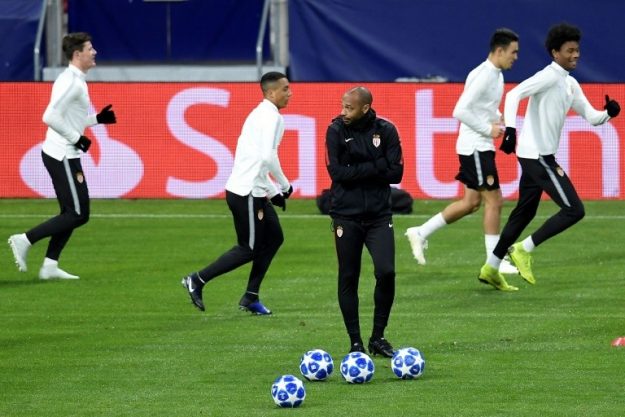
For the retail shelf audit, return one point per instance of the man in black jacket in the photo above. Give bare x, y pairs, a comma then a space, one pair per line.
363, 157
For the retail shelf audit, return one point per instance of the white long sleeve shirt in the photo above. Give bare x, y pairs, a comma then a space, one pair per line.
552, 93
66, 114
478, 108
256, 155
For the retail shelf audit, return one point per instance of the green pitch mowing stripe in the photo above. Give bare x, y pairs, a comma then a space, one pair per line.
124, 340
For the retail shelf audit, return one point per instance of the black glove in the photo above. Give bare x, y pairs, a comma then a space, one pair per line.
83, 143
381, 164
278, 200
288, 192
612, 107
508, 144
106, 115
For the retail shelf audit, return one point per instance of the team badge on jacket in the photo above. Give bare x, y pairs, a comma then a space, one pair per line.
80, 177
376, 140
339, 231
261, 214
560, 171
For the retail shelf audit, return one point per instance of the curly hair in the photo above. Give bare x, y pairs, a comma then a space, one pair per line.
560, 34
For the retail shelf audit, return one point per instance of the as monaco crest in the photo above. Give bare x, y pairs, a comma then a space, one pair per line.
376, 140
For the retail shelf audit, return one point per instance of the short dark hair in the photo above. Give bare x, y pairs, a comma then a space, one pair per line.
270, 77
560, 34
502, 38
74, 42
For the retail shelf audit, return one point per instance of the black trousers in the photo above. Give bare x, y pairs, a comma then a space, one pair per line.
70, 186
350, 236
259, 236
538, 175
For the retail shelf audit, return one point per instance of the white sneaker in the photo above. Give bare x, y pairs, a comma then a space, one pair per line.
507, 268
417, 243
20, 246
53, 271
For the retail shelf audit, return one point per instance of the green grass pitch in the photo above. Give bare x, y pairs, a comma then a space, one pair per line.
124, 340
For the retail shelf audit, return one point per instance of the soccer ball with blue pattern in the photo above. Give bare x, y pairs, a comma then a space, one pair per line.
288, 391
316, 365
408, 363
357, 368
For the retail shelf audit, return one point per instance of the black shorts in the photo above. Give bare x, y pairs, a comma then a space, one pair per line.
478, 171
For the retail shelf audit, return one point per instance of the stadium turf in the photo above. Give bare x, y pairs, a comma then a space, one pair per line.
124, 340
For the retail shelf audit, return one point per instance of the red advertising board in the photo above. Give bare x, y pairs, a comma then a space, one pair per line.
177, 140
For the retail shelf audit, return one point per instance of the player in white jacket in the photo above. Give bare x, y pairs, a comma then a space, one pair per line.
67, 117
552, 92
251, 196
480, 122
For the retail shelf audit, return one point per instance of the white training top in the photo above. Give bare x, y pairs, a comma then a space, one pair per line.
478, 108
66, 114
256, 155
552, 93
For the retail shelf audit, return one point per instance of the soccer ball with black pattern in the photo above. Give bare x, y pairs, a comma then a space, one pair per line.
357, 368
316, 365
288, 391
408, 363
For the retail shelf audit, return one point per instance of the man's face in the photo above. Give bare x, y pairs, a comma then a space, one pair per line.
352, 109
85, 59
279, 93
567, 56
507, 56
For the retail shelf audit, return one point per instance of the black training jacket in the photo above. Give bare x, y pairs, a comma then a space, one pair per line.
363, 158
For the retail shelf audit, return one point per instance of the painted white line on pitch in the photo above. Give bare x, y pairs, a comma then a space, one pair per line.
228, 215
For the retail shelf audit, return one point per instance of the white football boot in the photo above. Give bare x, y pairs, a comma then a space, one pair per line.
54, 272
417, 244
20, 246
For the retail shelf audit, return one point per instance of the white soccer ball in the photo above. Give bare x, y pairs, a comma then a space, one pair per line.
288, 391
357, 368
316, 365
408, 363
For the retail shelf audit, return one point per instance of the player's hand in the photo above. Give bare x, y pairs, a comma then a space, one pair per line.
612, 106
83, 143
288, 192
508, 144
496, 130
106, 115
279, 201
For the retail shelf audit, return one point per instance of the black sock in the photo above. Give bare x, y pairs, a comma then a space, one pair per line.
197, 279
355, 338
248, 298
378, 333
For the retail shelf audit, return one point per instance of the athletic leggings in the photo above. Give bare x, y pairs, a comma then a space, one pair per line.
350, 237
72, 194
259, 236
538, 175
